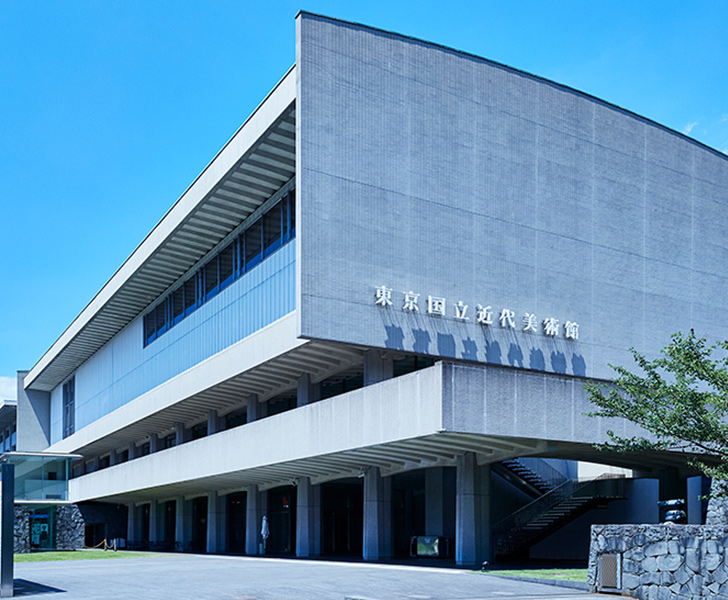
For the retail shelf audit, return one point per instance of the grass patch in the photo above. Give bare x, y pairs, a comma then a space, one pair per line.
563, 574
77, 555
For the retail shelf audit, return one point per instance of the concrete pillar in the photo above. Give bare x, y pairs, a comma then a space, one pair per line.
376, 368
472, 511
255, 509
308, 518
215, 518
113, 458
180, 433
154, 443
94, 464
377, 538
180, 523
132, 450
256, 408
154, 521
131, 523
307, 392
213, 422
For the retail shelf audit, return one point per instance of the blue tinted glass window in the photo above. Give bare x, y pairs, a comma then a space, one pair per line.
253, 245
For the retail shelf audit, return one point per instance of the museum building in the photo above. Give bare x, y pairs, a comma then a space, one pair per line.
370, 318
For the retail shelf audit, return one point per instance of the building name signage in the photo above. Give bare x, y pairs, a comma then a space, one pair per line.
483, 315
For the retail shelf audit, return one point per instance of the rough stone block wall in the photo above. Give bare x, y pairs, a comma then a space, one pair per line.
665, 562
21, 533
70, 528
718, 504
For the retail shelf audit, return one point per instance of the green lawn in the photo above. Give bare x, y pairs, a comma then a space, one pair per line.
564, 574
77, 555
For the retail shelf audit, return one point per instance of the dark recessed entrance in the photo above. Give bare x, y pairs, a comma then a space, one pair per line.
343, 509
198, 542
282, 520
236, 508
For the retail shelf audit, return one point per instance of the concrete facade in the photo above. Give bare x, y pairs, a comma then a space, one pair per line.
388, 345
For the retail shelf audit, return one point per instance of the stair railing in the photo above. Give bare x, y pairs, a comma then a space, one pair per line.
569, 488
543, 470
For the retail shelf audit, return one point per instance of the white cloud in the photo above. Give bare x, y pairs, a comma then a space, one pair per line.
689, 127
8, 388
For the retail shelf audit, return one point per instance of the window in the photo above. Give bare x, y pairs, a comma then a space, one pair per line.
275, 227
190, 293
226, 266
253, 244
69, 398
211, 279
178, 305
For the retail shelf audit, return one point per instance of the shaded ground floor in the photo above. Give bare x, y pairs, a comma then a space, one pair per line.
527, 508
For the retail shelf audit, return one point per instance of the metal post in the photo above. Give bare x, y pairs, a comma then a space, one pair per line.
7, 526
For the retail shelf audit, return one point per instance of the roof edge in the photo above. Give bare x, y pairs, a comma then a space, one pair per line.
466, 54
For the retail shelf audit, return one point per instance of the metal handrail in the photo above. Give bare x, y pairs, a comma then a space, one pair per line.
569, 488
539, 467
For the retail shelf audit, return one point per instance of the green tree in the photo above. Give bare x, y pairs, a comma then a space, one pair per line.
681, 398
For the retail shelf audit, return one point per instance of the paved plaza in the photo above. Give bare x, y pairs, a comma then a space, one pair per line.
192, 577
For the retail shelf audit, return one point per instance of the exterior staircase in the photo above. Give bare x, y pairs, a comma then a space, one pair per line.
562, 501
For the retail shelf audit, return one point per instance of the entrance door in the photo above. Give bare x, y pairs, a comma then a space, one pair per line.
199, 524
236, 509
282, 520
41, 531
342, 507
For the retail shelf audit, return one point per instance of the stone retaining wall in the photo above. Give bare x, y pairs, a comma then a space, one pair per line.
665, 562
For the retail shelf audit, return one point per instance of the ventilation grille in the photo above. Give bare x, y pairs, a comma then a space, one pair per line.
610, 572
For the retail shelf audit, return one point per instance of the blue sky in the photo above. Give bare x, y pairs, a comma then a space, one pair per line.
110, 109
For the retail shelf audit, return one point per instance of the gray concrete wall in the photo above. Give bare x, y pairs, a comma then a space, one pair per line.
34, 418
511, 402
423, 169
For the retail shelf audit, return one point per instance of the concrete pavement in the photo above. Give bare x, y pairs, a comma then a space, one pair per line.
185, 576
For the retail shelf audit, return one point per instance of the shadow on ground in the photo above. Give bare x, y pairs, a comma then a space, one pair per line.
23, 587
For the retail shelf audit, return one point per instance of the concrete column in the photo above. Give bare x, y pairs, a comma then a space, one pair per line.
376, 368
180, 433
154, 521
307, 392
377, 538
154, 443
180, 522
472, 511
213, 422
94, 464
214, 523
131, 521
308, 518
113, 458
256, 408
253, 518
132, 450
